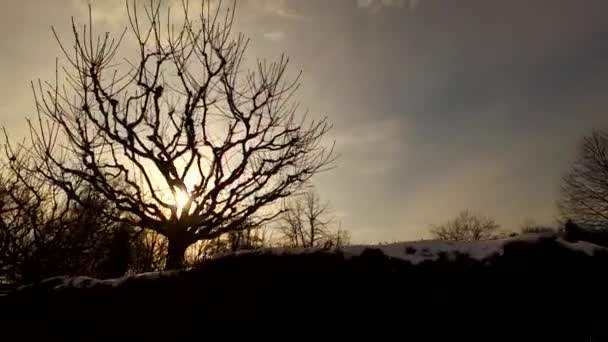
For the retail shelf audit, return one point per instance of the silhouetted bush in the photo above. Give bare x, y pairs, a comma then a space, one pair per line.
467, 226
573, 232
44, 235
410, 250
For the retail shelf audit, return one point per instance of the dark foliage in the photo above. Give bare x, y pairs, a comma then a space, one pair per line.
573, 232
118, 258
540, 291
46, 237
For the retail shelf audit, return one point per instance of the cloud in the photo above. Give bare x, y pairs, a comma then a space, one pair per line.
375, 147
373, 6
274, 36
104, 12
372, 133
414, 5
281, 8
364, 3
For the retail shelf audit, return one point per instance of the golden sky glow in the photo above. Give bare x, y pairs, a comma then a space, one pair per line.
438, 105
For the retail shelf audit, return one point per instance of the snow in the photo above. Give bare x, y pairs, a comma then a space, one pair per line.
419, 251
412, 251
82, 282
581, 246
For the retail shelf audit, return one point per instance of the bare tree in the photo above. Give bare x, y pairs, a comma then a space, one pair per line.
32, 215
182, 139
149, 252
584, 189
306, 222
530, 226
466, 226
248, 238
340, 237
43, 233
245, 239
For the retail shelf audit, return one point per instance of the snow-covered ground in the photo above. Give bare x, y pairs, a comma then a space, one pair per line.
418, 251
413, 251
65, 282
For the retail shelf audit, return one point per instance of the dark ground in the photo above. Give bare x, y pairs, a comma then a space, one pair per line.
539, 292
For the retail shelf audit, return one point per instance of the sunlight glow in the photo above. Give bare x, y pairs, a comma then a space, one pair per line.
181, 199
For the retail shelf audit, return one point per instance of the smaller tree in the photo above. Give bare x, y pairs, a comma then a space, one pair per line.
306, 222
149, 252
45, 233
531, 227
340, 238
584, 189
250, 237
466, 226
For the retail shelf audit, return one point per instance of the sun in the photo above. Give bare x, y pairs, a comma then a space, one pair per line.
181, 198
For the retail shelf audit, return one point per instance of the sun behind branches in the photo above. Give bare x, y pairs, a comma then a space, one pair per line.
181, 198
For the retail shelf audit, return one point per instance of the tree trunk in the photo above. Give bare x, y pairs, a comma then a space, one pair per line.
175, 254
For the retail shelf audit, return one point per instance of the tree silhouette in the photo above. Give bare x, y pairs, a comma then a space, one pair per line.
182, 138
466, 226
247, 238
584, 189
306, 222
149, 252
530, 226
44, 234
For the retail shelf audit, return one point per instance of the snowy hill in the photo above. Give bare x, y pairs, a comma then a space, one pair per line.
431, 250
414, 252
533, 284
418, 251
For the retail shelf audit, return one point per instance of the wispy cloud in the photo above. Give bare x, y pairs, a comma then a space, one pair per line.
373, 6
282, 8
374, 147
413, 5
275, 36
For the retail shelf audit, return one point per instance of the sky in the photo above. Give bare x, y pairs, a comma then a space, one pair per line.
437, 105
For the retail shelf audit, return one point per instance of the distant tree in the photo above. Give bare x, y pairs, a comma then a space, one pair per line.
339, 238
306, 222
181, 138
149, 252
248, 238
538, 230
466, 226
531, 227
584, 189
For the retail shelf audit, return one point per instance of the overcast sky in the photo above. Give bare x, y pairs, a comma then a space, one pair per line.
438, 105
